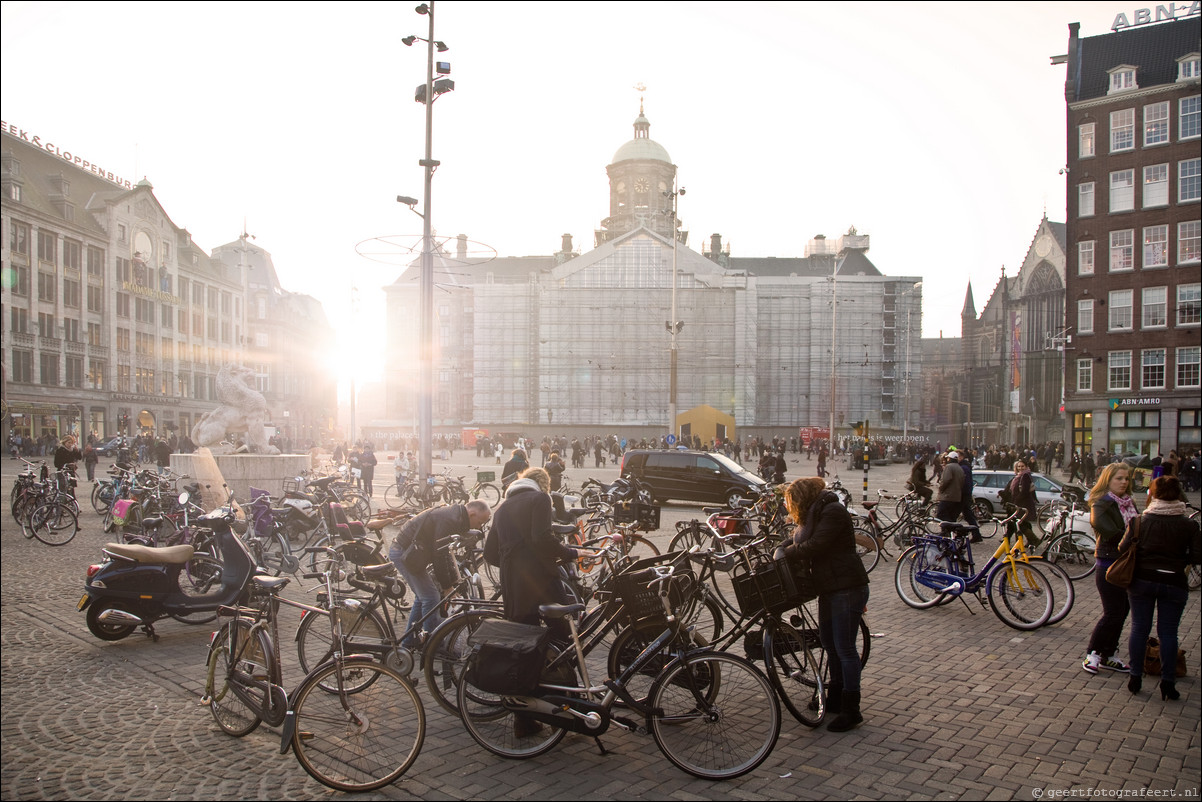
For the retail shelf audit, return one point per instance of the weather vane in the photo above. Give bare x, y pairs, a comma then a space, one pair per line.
641, 88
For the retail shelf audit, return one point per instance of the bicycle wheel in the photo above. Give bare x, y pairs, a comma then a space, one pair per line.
275, 554
1020, 595
489, 494
691, 535
1193, 576
716, 715
637, 547
200, 575
795, 673
357, 741
867, 547
393, 496
445, 656
237, 651
628, 646
1063, 594
495, 725
362, 628
102, 497
54, 524
358, 505
905, 578
1074, 552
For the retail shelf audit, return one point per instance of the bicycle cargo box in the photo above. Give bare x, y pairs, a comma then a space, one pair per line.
773, 586
645, 517
507, 657
121, 509
484, 477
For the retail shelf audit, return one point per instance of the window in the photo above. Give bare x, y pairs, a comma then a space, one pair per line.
123, 304
1084, 375
1152, 369
1156, 246
45, 325
1189, 304
1189, 115
20, 320
1120, 310
72, 254
74, 371
1187, 366
1156, 123
20, 280
95, 299
1189, 242
47, 286
122, 339
124, 271
47, 247
1122, 130
96, 373
1085, 195
121, 233
1189, 180
1085, 316
1085, 140
144, 310
71, 293
123, 378
166, 318
95, 261
1122, 191
1156, 185
49, 374
22, 366
1155, 308
94, 334
1122, 250
71, 329
1122, 79
1119, 370
1187, 68
18, 242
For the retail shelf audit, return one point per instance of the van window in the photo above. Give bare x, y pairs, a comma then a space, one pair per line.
706, 465
669, 461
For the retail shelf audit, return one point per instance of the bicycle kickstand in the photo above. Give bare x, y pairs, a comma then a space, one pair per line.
601, 746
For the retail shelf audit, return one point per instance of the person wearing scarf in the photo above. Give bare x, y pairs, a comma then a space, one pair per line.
1168, 542
1111, 508
1022, 495
825, 536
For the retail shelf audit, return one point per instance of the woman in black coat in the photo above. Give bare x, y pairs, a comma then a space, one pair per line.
522, 542
825, 536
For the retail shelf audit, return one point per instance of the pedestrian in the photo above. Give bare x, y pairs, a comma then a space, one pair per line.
422, 542
825, 537
555, 468
162, 455
1167, 542
822, 453
513, 468
950, 493
1111, 509
367, 468
90, 458
1022, 495
919, 482
66, 456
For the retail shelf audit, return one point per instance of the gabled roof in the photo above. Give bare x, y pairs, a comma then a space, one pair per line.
853, 263
687, 261
1153, 49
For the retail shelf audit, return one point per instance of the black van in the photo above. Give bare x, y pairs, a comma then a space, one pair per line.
692, 476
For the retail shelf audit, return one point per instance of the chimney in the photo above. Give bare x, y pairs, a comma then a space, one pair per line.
461, 247
567, 243
715, 244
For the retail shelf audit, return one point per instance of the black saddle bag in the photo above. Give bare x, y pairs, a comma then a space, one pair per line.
507, 658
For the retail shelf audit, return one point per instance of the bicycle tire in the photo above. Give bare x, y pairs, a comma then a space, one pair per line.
54, 524
795, 673
394, 496
357, 741
629, 645
490, 722
1193, 577
1020, 595
228, 652
101, 500
689, 536
275, 554
868, 549
1074, 552
724, 733
1063, 594
905, 579
358, 505
489, 494
445, 656
637, 547
362, 628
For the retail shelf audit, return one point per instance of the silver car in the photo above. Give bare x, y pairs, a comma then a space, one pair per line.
988, 484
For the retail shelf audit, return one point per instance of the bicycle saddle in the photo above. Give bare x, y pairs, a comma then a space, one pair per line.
375, 572
152, 523
559, 610
869, 504
959, 528
270, 584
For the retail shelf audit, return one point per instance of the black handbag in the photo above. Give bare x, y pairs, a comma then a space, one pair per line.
507, 658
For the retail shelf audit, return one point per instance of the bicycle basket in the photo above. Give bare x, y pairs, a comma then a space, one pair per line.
640, 602
484, 477
645, 517
775, 586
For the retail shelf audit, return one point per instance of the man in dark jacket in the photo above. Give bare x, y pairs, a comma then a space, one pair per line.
516, 464
421, 542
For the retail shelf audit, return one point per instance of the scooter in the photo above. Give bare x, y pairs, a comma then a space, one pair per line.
138, 585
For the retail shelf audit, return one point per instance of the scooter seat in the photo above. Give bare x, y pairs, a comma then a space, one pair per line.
148, 555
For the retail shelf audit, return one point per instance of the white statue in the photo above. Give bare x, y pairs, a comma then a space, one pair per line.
243, 409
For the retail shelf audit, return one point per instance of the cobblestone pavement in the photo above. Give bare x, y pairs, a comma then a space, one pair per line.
958, 706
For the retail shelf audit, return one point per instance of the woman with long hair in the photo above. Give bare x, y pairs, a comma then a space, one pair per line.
826, 538
1111, 508
1168, 542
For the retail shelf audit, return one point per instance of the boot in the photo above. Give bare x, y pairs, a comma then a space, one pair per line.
834, 699
1168, 690
849, 717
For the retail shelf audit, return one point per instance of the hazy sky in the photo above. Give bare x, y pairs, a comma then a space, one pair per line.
936, 128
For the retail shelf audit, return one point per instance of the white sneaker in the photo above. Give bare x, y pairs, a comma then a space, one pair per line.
1093, 662
1115, 664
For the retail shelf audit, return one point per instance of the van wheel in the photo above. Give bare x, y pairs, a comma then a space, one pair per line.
734, 498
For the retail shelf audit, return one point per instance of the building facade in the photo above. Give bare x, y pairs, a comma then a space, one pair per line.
115, 320
1133, 238
580, 339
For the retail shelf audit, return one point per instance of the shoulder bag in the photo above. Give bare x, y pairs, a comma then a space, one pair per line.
1122, 570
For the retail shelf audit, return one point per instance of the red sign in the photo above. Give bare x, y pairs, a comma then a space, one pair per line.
810, 433
469, 436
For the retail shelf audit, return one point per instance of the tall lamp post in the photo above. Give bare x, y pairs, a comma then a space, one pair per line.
906, 390
673, 325
426, 93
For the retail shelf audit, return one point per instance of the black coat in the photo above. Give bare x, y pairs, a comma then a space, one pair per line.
1108, 525
523, 544
417, 544
828, 541
1167, 544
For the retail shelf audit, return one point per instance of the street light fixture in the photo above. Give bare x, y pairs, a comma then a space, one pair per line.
673, 326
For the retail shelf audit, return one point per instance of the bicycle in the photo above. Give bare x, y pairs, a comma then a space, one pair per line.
348, 738
712, 714
456, 492
872, 533
1073, 550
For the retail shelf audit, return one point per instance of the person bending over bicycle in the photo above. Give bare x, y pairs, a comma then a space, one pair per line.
421, 543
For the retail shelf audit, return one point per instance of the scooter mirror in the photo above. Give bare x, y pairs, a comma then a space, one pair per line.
183, 498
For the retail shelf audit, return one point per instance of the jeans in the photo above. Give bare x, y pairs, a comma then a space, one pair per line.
838, 622
948, 510
1169, 603
1106, 634
426, 598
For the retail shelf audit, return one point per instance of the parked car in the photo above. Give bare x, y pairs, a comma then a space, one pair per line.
702, 476
988, 484
108, 448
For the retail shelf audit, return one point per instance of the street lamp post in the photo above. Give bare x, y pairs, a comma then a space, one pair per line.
906, 390
673, 325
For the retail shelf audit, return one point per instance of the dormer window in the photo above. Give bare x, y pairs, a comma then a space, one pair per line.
1122, 79
1188, 68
